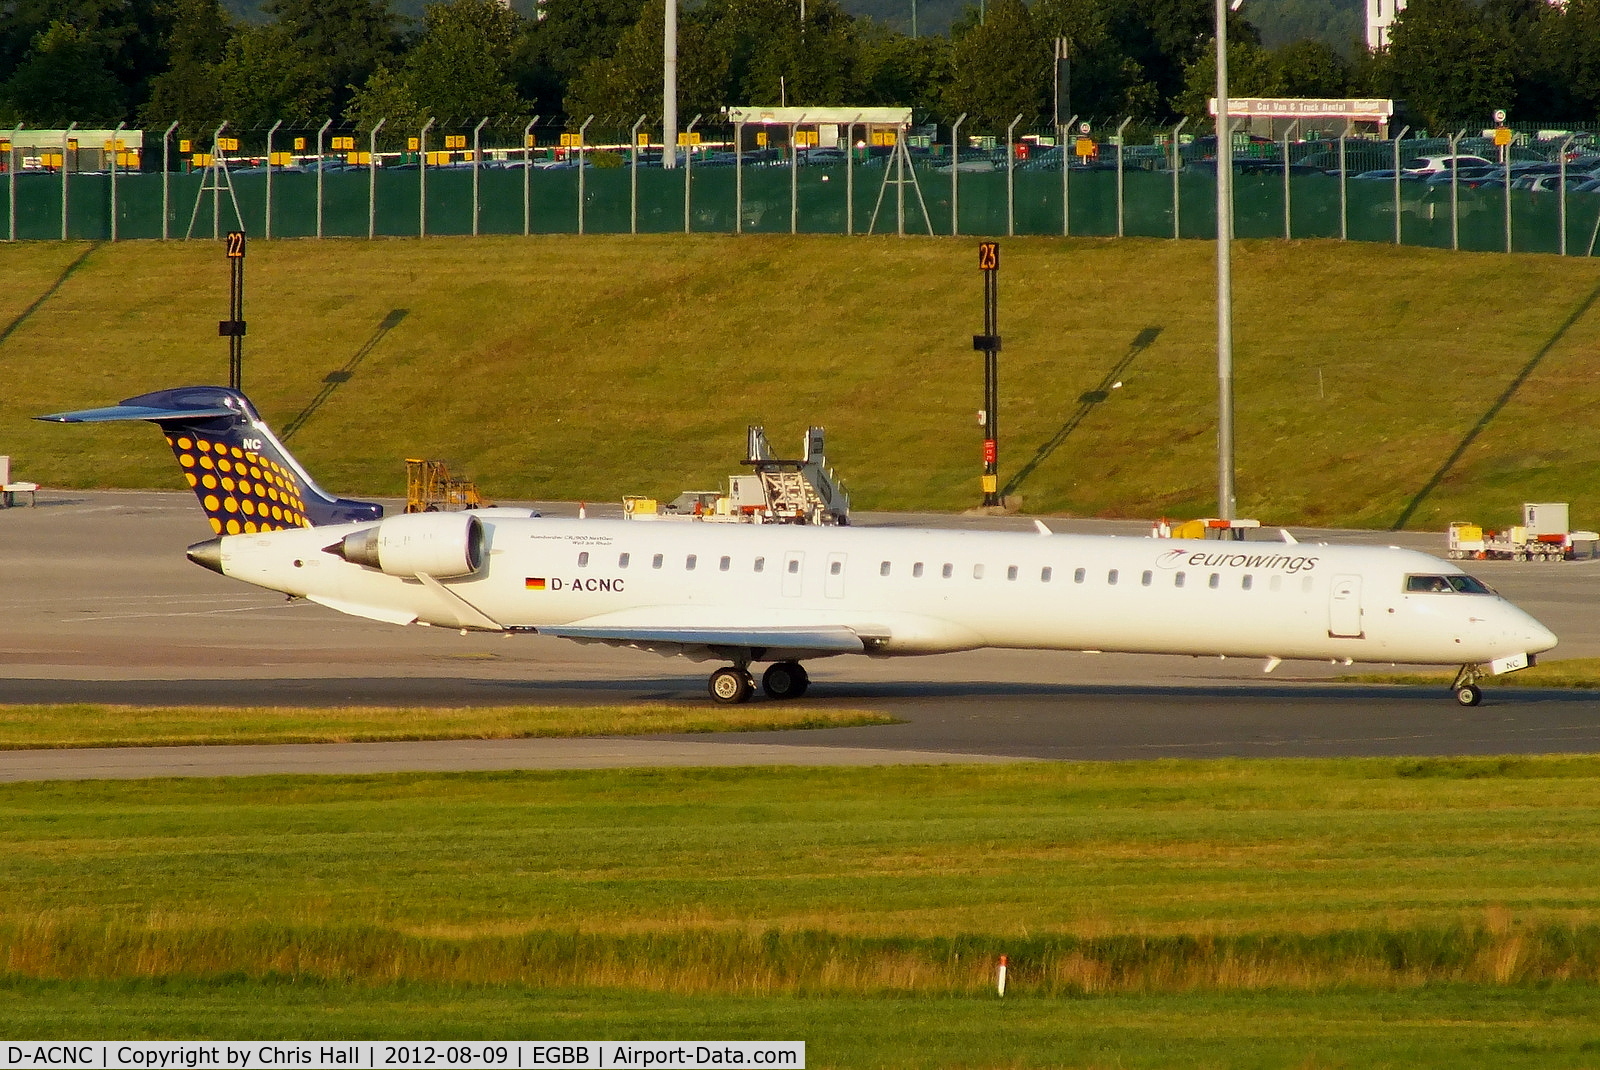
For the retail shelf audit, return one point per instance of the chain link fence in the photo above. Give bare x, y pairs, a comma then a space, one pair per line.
485, 178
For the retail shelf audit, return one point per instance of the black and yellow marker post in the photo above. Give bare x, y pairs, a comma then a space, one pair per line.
988, 343
232, 328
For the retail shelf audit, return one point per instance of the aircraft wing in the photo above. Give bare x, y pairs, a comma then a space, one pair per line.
703, 643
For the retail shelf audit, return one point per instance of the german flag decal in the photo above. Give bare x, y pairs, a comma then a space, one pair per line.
534, 583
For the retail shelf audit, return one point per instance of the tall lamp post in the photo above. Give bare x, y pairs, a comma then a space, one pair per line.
1226, 498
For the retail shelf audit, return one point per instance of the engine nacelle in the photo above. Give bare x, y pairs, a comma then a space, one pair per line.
442, 545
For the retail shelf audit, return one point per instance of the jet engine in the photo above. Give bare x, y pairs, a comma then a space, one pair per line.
442, 545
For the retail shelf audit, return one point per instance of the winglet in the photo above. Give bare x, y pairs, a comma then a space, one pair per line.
1290, 539
1043, 530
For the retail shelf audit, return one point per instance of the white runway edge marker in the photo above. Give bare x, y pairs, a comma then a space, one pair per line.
1000, 981
461, 1055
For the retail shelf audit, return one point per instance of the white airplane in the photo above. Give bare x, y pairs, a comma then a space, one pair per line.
782, 594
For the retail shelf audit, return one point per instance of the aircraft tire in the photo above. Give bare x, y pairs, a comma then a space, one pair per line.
731, 686
785, 679
1468, 695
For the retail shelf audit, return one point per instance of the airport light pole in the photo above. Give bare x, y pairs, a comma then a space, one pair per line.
988, 343
1225, 490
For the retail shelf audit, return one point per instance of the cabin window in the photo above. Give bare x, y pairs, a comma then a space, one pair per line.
977, 572
916, 570
1111, 577
761, 564
794, 564
1177, 579
883, 569
1215, 581
622, 560
1011, 573
1044, 574
1080, 575
655, 562
1275, 583
1146, 577
835, 567
688, 563
1305, 584
1245, 583
583, 559
725, 563
948, 570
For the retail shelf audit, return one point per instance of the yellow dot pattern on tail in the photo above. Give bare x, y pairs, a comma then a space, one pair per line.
243, 492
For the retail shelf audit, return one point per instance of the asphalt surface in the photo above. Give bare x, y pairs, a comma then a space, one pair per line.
98, 604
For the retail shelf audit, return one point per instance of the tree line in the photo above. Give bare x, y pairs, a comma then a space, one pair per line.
149, 62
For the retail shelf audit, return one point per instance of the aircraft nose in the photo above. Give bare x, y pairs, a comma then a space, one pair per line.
208, 554
1539, 638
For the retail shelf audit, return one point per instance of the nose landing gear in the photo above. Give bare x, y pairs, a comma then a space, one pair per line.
1466, 688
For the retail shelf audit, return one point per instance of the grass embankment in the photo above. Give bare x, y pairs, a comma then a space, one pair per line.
1231, 913
90, 725
1578, 673
592, 367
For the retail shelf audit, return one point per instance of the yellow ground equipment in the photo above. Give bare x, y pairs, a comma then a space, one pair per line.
430, 488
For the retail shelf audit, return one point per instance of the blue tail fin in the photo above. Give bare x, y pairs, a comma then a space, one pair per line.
245, 480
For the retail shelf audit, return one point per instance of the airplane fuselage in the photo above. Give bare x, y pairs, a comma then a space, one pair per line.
922, 591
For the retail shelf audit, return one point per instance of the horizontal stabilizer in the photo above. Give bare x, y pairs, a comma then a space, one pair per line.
136, 412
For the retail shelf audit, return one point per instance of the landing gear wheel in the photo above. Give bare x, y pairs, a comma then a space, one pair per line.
731, 686
1468, 695
785, 679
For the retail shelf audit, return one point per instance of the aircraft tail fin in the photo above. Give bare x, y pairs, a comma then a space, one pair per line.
244, 477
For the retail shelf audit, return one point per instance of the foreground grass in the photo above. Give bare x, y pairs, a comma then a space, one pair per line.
1573, 673
1095, 878
89, 725
1446, 1026
646, 357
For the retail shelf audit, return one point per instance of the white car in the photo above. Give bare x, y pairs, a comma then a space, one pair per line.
1432, 165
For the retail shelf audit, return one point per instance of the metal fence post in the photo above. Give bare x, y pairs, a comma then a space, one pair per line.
1455, 187
217, 167
738, 178
1011, 167
422, 178
633, 176
166, 188
688, 169
320, 133
1507, 196
1397, 138
1288, 210
116, 137
267, 212
1344, 175
527, 170
11, 181
1120, 129
850, 177
794, 179
372, 179
477, 159
1066, 184
582, 158
955, 176
1177, 162
66, 137
1562, 204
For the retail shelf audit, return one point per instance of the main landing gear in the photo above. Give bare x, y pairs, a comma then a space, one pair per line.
1466, 688
733, 684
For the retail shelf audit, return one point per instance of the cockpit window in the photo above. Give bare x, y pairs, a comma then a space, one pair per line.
1446, 585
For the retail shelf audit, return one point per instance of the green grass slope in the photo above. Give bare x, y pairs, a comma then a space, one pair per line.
1374, 384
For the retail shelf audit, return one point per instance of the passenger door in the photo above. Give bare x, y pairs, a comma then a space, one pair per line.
833, 583
793, 573
1344, 608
